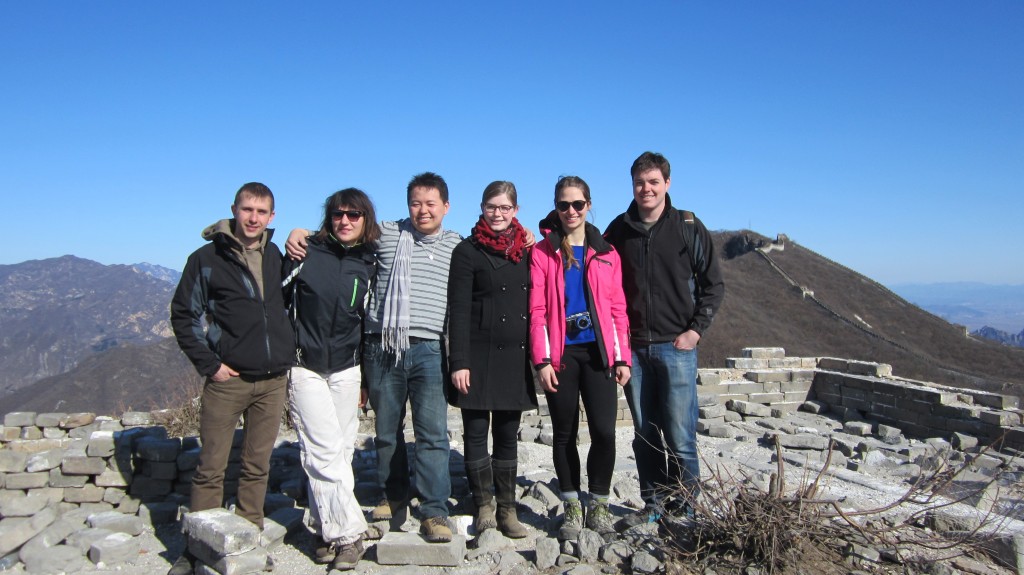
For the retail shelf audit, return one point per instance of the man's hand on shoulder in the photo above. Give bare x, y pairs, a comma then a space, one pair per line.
224, 373
686, 340
295, 245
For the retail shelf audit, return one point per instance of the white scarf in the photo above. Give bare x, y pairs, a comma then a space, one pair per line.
395, 335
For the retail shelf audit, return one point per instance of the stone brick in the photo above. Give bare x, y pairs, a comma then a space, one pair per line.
870, 368
37, 445
55, 559
115, 548
766, 398
397, 548
963, 441
153, 449
26, 480
88, 493
783, 409
78, 465
57, 479
54, 433
112, 478
83, 539
15, 531
803, 386
10, 433
717, 410
49, 419
75, 420
113, 495
19, 419
761, 376
160, 513
221, 531
1001, 418
833, 364
996, 400
31, 433
708, 377
763, 352
189, 458
16, 503
44, 460
803, 441
722, 431
748, 408
745, 363
136, 418
117, 522
12, 461
861, 428
814, 406
143, 486
703, 425
101, 444
785, 362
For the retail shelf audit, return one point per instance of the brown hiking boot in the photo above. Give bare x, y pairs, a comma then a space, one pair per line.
436, 530
348, 555
382, 511
324, 553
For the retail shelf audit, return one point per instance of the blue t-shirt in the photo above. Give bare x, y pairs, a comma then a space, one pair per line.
576, 303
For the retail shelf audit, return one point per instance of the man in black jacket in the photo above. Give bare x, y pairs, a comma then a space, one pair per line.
673, 288
235, 282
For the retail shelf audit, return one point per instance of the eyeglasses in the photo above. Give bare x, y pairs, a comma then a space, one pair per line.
492, 209
577, 205
353, 215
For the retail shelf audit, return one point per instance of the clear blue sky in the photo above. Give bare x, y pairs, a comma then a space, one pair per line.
888, 136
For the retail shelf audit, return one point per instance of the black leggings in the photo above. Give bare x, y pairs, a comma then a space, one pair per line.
504, 427
584, 375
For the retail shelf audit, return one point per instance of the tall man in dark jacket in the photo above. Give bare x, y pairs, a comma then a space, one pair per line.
235, 282
673, 288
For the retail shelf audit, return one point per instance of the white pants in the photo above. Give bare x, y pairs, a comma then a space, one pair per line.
326, 417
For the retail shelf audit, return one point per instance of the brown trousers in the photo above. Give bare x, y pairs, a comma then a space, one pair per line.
262, 403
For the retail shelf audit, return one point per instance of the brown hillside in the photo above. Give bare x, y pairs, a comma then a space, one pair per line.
762, 308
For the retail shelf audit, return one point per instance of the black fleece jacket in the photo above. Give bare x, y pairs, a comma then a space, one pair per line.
665, 295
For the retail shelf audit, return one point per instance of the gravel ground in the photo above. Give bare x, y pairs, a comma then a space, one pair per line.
727, 456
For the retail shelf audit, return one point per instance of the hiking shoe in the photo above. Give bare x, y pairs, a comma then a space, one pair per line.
324, 553
600, 519
183, 565
382, 511
572, 520
436, 529
348, 555
648, 514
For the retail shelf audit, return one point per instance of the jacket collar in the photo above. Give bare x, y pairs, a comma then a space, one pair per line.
632, 215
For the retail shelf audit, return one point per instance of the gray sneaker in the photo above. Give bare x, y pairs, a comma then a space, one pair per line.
347, 556
572, 521
600, 519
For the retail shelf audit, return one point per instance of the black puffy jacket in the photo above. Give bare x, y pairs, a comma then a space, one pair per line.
326, 294
247, 330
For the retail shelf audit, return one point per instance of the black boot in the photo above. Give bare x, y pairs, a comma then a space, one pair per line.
481, 483
505, 473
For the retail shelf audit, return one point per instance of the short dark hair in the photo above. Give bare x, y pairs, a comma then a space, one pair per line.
254, 190
651, 161
357, 200
427, 180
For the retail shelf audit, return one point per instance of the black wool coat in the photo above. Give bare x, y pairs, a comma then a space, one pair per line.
488, 327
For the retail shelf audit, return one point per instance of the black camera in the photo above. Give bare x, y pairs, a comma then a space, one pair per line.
578, 322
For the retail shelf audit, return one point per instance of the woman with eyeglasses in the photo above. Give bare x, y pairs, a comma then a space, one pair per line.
326, 294
491, 379
579, 343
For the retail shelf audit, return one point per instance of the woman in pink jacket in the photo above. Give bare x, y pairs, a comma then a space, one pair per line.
579, 340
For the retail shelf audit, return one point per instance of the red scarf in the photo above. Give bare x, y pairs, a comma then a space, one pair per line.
507, 244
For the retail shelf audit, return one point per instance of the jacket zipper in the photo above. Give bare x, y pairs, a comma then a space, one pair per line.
263, 303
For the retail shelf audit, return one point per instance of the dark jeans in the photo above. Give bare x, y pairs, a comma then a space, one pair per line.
504, 428
662, 396
416, 379
262, 403
584, 376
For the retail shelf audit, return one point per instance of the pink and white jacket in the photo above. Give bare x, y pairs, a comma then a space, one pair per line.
606, 301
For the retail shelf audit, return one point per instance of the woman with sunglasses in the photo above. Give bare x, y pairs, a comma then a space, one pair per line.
491, 379
325, 294
579, 343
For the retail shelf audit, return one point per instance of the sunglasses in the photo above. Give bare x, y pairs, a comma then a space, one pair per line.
577, 205
353, 215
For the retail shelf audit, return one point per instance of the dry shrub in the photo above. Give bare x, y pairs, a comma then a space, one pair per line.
741, 525
184, 405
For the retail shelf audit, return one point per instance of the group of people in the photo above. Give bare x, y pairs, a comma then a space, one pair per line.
406, 311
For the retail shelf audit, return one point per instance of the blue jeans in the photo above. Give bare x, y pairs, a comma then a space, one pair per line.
662, 397
416, 379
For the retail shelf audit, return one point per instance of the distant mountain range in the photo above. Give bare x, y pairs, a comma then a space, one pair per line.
970, 304
76, 335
